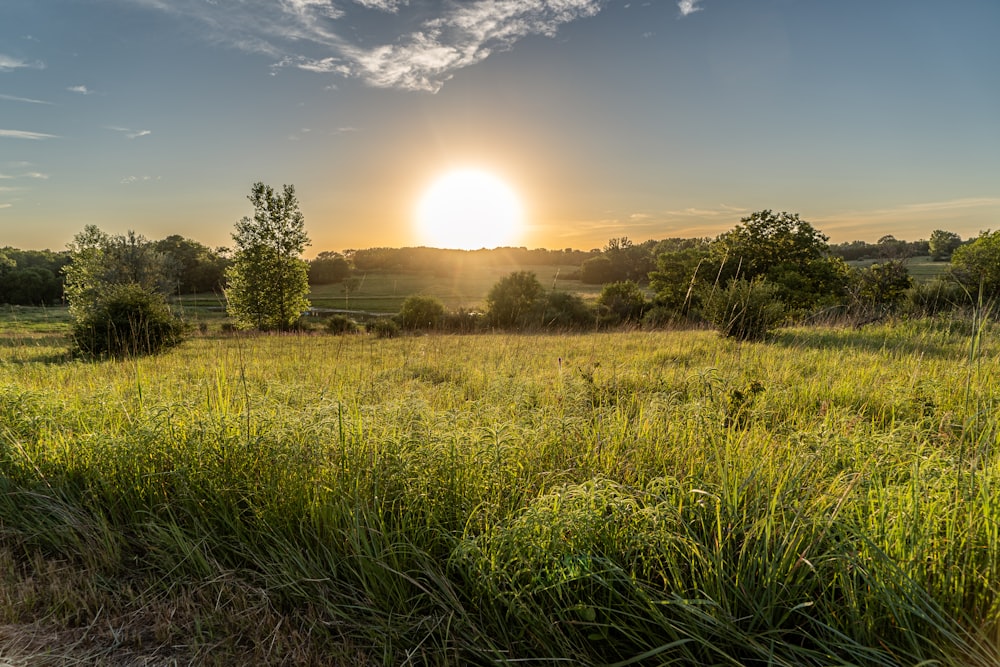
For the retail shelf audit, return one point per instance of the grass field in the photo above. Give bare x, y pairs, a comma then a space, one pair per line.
828, 497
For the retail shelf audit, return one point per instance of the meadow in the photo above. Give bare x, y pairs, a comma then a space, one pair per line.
830, 496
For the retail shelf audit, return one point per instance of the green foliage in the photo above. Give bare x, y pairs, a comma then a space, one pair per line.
977, 265
194, 268
942, 244
562, 310
383, 327
99, 261
681, 270
746, 309
267, 280
341, 324
934, 297
789, 252
31, 277
513, 298
421, 312
597, 271
880, 286
328, 268
126, 320
622, 302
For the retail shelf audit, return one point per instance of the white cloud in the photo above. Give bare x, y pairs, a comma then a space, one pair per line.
9, 63
391, 6
21, 134
27, 100
129, 180
129, 133
689, 7
446, 36
31, 174
83, 90
5, 205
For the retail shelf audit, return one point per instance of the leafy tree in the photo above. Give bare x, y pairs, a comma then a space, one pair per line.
622, 301
881, 286
512, 298
194, 267
99, 261
597, 270
976, 265
421, 312
942, 244
786, 250
268, 280
562, 310
328, 268
680, 271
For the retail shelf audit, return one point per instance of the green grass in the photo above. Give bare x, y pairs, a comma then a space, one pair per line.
828, 497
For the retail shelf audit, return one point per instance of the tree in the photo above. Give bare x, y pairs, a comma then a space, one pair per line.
421, 312
99, 261
328, 268
194, 267
512, 298
977, 265
881, 286
622, 301
942, 244
786, 250
268, 280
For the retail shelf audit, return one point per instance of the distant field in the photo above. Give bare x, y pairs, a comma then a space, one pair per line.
921, 268
385, 292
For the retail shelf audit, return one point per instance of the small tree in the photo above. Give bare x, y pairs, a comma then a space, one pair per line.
976, 265
512, 298
421, 312
268, 280
942, 244
622, 301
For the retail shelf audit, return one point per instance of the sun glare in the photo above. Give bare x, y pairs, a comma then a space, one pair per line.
469, 209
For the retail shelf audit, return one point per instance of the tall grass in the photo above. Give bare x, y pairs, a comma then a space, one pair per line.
829, 497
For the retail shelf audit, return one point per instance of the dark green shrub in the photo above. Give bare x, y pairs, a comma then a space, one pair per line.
564, 311
622, 302
383, 328
936, 296
341, 324
421, 312
746, 310
126, 320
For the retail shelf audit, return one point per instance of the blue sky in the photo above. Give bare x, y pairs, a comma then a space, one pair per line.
641, 118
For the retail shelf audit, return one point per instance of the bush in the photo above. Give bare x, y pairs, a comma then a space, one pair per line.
341, 324
127, 320
383, 328
622, 302
421, 312
564, 310
746, 310
935, 297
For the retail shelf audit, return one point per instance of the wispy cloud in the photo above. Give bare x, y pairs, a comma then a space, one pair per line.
391, 6
129, 180
9, 63
129, 133
82, 90
448, 36
31, 174
689, 7
27, 100
21, 134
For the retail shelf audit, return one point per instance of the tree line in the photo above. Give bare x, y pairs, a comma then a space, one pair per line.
770, 268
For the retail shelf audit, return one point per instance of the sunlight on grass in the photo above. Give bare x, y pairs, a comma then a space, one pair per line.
830, 496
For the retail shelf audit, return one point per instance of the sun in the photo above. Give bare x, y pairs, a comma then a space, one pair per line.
469, 209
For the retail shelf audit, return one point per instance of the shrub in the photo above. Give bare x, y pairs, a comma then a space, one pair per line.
936, 296
383, 328
421, 312
341, 324
564, 310
127, 320
746, 310
622, 302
